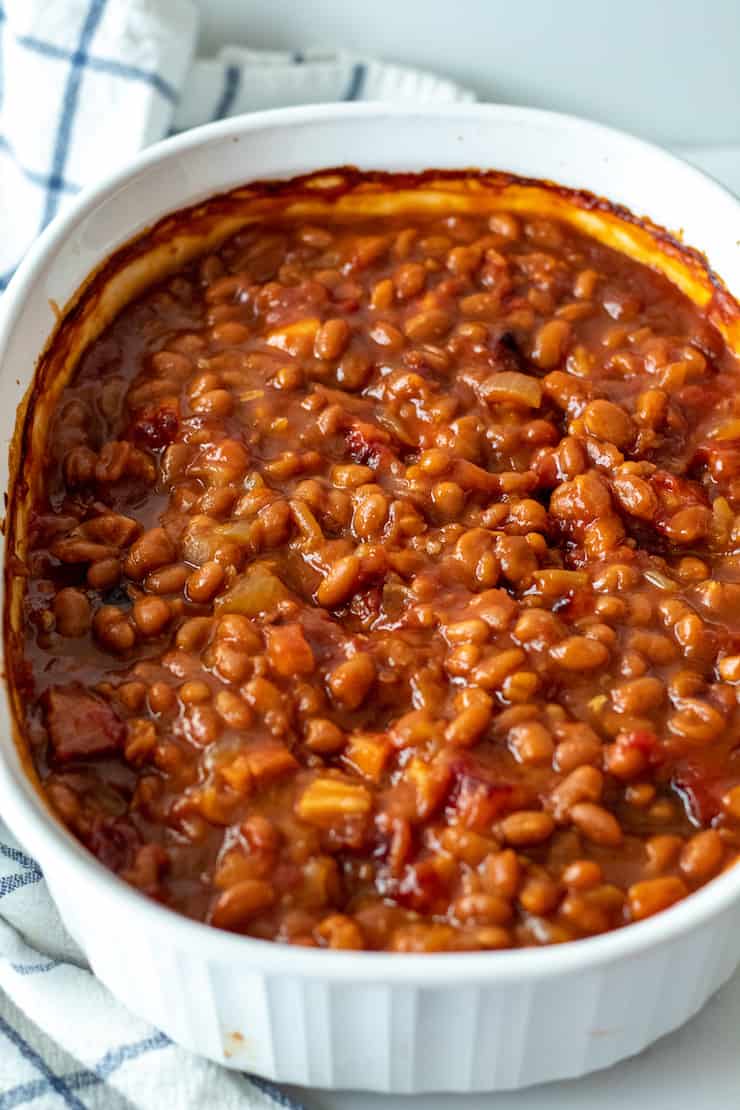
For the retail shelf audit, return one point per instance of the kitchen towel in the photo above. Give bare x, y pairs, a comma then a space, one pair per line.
84, 84
66, 1042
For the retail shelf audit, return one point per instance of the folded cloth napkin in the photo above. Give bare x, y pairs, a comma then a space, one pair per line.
66, 1042
84, 84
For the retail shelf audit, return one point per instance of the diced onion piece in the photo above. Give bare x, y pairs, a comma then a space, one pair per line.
239, 530
199, 545
327, 800
256, 591
662, 581
512, 388
284, 338
308, 525
368, 753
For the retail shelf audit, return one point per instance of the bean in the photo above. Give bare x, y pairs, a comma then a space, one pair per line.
428, 326
506, 225
582, 874
539, 895
229, 333
103, 574
448, 499
113, 629
584, 915
213, 402
340, 931
577, 750
167, 580
596, 823
577, 653
609, 422
203, 724
238, 630
584, 784
701, 857
625, 761
152, 550
332, 338
323, 736
531, 743
500, 873
550, 343
409, 280
192, 635
205, 582
241, 902
653, 895
697, 722
340, 582
351, 681
636, 496
729, 668
387, 336
230, 660
72, 612
132, 695
731, 803
482, 909
172, 364
639, 696
495, 669
161, 698
194, 692
585, 284
469, 725
232, 709
689, 525
151, 615
370, 514
527, 827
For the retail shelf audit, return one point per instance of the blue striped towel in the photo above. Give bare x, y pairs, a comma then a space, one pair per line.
84, 84
66, 1042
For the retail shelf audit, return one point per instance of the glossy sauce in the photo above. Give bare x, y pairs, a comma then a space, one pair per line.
459, 666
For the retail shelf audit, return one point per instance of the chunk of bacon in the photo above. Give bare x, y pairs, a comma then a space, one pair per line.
155, 425
80, 724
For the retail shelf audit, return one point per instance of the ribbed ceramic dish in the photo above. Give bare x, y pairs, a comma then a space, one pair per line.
386, 1022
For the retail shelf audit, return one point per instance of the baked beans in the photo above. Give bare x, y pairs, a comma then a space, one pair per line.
384, 591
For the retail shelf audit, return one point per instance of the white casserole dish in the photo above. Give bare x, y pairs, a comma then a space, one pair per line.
400, 1023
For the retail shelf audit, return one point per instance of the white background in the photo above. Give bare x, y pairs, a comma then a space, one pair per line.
668, 70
